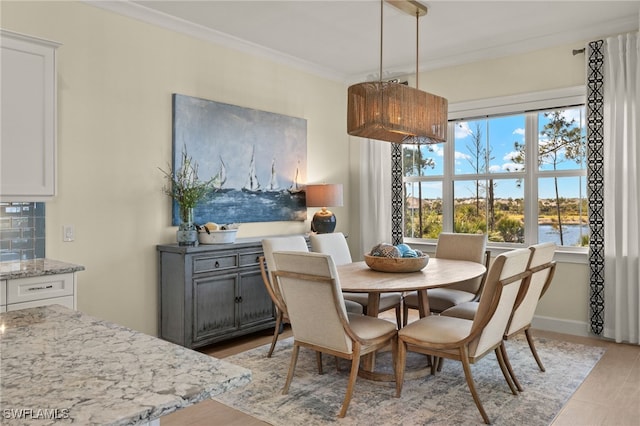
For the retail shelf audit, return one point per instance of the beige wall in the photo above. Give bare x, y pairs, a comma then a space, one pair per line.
115, 80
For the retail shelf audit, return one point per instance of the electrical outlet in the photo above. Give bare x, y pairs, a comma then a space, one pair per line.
68, 233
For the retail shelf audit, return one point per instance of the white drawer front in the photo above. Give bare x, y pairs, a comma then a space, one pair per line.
36, 288
66, 301
3, 292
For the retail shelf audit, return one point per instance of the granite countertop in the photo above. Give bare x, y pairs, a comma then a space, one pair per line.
55, 362
35, 267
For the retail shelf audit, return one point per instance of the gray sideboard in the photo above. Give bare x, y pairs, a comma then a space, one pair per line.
211, 293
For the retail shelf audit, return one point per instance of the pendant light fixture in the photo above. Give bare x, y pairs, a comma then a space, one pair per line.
394, 112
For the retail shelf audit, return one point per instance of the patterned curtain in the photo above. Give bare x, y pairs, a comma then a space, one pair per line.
595, 181
397, 234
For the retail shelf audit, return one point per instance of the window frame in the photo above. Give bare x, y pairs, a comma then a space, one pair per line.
506, 105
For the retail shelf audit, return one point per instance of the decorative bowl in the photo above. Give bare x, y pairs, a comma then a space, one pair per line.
396, 264
226, 236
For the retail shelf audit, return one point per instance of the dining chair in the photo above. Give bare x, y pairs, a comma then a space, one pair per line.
335, 244
542, 269
311, 289
269, 245
466, 340
292, 243
457, 246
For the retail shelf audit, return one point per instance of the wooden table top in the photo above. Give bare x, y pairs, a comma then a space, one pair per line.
358, 277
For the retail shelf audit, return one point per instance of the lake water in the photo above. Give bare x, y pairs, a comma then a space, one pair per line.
572, 234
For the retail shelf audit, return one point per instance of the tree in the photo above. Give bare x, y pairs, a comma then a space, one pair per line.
560, 140
479, 159
415, 163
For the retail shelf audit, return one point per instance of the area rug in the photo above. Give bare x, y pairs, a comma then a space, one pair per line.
443, 399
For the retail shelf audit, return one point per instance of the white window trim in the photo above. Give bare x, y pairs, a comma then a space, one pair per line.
513, 104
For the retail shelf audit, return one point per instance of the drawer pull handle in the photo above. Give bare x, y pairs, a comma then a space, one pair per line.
217, 264
238, 299
46, 287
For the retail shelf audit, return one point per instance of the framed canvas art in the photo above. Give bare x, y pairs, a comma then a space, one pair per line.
257, 159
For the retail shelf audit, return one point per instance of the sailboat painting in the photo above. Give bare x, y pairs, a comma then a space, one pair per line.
257, 161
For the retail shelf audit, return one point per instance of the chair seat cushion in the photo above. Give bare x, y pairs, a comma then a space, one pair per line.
465, 310
437, 329
353, 307
387, 300
440, 299
367, 327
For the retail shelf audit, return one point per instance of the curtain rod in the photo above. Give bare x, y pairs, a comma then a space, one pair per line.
577, 51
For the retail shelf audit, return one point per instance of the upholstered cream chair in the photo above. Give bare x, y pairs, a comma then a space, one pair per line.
311, 290
471, 247
542, 268
465, 340
293, 243
335, 244
269, 245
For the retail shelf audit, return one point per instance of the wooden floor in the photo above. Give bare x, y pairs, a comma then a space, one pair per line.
610, 395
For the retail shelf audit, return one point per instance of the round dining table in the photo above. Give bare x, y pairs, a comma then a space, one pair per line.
357, 277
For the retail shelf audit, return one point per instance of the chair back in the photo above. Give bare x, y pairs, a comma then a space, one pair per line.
311, 290
470, 247
270, 245
498, 299
334, 244
542, 268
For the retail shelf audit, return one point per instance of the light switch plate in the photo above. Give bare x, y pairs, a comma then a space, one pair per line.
68, 233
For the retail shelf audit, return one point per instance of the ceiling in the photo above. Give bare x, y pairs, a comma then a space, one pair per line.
340, 39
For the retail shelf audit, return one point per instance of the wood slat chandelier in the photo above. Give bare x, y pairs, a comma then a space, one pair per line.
394, 112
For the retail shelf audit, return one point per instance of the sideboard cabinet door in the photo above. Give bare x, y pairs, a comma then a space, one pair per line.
28, 109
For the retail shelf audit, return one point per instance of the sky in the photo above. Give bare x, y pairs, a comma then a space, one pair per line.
504, 132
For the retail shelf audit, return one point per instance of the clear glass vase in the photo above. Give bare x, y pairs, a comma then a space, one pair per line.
187, 234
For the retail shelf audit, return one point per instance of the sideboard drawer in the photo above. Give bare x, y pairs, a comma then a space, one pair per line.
250, 259
42, 287
214, 263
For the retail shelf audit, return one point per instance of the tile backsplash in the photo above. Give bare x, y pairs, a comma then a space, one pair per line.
22, 231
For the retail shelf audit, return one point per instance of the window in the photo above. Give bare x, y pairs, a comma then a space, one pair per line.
519, 177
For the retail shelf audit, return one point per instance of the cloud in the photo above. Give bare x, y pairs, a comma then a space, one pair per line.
463, 130
511, 167
509, 156
518, 131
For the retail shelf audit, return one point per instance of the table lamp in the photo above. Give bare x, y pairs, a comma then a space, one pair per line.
323, 195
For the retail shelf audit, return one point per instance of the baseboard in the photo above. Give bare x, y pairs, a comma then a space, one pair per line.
576, 328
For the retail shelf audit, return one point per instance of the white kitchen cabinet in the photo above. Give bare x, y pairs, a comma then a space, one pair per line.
28, 113
3, 299
42, 290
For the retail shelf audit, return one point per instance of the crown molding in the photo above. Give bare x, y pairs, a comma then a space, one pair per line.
153, 17
476, 51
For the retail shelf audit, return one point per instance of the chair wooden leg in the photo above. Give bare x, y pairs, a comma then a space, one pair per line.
353, 375
503, 351
400, 366
399, 316
472, 387
319, 362
440, 363
527, 332
292, 367
276, 333
394, 357
505, 371
405, 314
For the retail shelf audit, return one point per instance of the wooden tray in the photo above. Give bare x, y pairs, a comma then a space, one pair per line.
396, 264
